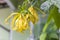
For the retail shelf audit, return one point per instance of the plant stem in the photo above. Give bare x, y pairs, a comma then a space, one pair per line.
45, 27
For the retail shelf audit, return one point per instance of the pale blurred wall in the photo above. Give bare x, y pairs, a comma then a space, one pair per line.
4, 35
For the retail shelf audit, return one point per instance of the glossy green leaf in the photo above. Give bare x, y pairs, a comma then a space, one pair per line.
55, 16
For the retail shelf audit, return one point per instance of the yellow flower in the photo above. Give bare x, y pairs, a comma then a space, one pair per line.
34, 14
20, 21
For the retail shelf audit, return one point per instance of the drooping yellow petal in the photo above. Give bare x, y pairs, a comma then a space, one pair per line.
16, 24
6, 20
19, 30
34, 14
14, 20
25, 25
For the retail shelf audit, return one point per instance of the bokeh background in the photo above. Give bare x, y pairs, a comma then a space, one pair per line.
5, 30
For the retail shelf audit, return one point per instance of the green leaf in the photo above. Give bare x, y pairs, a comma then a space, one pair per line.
47, 23
53, 35
43, 36
55, 16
